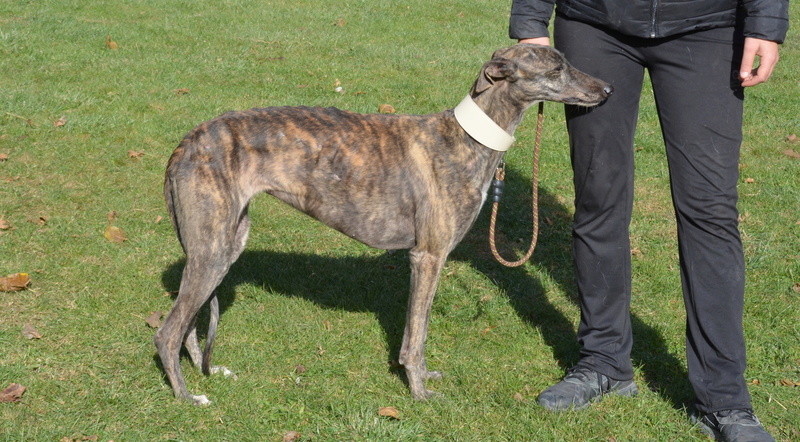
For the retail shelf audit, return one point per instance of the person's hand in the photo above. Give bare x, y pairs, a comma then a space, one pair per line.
544, 41
767, 51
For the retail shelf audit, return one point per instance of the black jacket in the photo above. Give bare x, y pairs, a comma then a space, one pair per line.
765, 19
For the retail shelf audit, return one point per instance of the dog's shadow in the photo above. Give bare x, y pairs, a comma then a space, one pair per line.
379, 284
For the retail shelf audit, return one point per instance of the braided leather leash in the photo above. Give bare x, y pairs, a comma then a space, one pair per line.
497, 185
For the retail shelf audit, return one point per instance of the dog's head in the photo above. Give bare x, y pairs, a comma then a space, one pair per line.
540, 73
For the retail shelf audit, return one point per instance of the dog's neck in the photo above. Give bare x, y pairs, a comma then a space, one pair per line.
481, 127
497, 105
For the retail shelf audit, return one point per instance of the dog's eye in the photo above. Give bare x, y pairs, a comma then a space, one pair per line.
555, 72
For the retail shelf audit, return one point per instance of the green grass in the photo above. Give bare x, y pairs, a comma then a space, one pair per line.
303, 294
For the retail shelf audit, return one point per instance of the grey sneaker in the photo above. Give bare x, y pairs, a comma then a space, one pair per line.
733, 426
582, 386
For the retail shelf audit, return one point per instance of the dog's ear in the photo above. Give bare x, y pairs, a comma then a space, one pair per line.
493, 71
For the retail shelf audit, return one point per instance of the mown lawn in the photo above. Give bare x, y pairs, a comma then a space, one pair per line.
94, 96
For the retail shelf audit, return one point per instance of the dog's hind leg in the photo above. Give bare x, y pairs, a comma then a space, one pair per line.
240, 240
211, 247
425, 269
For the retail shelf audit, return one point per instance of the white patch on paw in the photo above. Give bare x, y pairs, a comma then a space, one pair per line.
225, 372
200, 400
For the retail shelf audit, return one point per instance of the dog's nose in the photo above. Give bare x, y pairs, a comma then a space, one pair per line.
608, 89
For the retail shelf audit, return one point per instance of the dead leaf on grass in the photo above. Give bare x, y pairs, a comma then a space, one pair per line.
154, 320
796, 287
182, 91
386, 109
60, 122
115, 234
39, 220
92, 438
4, 223
291, 436
486, 330
30, 332
12, 283
389, 412
519, 397
111, 44
3, 157
789, 383
749, 180
12, 393
791, 153
135, 154
792, 138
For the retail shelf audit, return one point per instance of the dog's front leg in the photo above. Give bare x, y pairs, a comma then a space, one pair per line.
425, 270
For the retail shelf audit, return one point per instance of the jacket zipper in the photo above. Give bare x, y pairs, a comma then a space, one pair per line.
654, 8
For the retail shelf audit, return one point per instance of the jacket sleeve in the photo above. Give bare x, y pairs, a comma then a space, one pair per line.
766, 19
529, 18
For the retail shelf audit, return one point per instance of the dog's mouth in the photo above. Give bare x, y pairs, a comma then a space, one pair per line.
583, 102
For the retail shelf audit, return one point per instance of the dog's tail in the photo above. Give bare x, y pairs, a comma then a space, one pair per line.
169, 197
212, 333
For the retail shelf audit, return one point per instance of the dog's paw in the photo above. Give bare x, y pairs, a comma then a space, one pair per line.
426, 394
200, 400
435, 375
225, 372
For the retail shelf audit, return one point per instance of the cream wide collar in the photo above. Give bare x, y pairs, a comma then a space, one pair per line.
480, 127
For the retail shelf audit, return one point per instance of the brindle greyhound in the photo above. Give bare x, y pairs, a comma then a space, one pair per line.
390, 181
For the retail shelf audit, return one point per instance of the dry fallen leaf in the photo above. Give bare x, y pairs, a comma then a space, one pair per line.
17, 281
110, 44
60, 122
3, 157
389, 412
328, 326
519, 397
386, 109
789, 383
39, 220
300, 369
4, 224
792, 138
114, 234
791, 153
181, 91
340, 22
796, 287
135, 154
30, 332
92, 438
12, 393
291, 436
154, 320
749, 180
755, 382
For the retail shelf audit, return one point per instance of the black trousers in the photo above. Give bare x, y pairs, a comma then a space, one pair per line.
700, 106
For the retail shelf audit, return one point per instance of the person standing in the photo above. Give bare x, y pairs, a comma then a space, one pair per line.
700, 57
